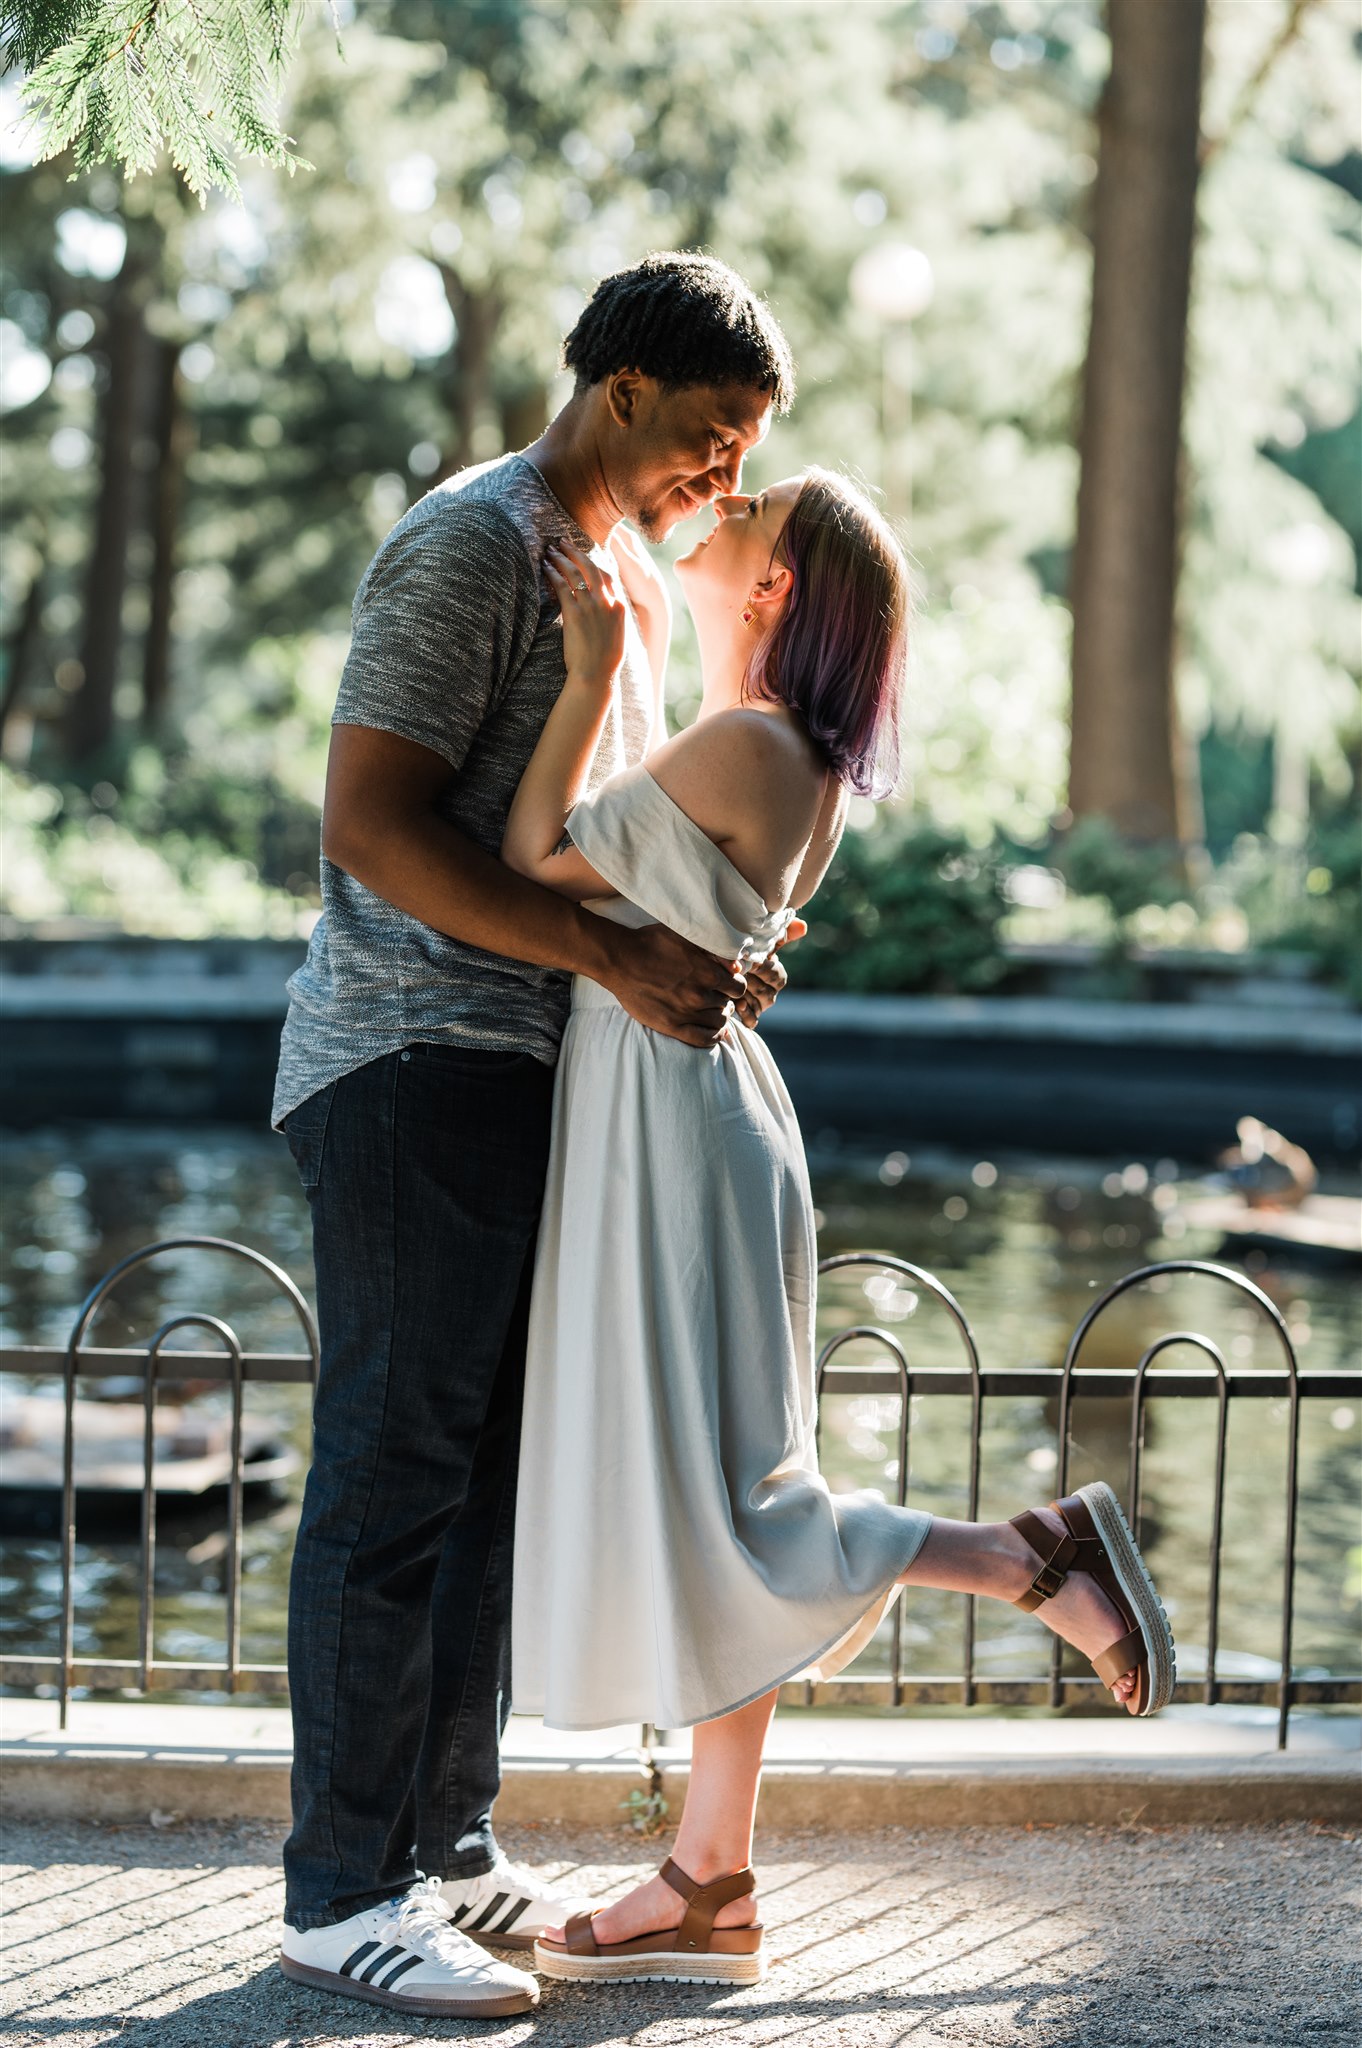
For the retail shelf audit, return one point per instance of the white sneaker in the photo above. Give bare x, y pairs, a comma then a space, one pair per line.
405, 1954
508, 1906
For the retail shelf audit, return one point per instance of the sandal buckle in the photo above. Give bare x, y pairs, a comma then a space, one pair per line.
1048, 1581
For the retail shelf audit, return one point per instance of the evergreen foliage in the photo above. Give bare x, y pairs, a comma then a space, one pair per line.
121, 82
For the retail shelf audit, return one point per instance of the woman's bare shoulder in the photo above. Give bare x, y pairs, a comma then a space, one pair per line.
739, 752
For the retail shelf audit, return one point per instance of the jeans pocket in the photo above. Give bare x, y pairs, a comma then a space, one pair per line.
305, 1129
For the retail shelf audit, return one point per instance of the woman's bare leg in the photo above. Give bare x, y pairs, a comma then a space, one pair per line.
714, 1836
995, 1559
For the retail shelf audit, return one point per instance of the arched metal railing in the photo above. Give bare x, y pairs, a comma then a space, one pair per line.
73, 1360
1066, 1384
894, 1373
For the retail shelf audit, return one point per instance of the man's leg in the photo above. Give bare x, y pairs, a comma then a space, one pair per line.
425, 1172
459, 1774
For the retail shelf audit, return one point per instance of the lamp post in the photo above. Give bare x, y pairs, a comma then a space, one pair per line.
893, 282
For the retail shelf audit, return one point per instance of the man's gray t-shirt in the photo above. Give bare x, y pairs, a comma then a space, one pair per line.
456, 645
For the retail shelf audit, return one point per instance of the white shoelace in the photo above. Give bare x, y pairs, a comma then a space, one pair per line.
421, 1920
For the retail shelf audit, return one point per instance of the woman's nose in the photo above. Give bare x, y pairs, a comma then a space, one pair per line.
726, 507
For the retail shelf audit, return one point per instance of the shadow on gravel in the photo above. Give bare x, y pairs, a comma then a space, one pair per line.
988, 1938
263, 2012
266, 2011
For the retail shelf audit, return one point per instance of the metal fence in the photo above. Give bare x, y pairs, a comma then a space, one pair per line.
156, 1364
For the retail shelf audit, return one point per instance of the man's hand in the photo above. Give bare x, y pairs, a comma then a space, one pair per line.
766, 978
672, 986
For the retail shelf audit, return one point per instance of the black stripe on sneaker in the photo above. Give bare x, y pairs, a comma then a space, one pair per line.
458, 1913
504, 1926
498, 1902
398, 1970
352, 1963
389, 1955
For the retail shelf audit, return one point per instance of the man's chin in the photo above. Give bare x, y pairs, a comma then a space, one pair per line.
656, 523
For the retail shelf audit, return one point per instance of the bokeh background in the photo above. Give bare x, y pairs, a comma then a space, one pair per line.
215, 412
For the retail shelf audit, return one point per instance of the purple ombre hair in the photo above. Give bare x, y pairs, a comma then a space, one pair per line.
838, 654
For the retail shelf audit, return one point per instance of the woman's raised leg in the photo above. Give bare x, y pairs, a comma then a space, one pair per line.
714, 1836
995, 1559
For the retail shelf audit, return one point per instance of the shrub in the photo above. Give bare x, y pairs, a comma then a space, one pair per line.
1326, 923
910, 913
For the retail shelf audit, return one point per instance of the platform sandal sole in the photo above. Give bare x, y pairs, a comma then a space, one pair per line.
663, 1967
1132, 1575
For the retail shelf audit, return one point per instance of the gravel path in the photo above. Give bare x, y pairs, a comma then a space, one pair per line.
986, 1938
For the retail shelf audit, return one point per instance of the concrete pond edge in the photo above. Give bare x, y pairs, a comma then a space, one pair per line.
1197, 1792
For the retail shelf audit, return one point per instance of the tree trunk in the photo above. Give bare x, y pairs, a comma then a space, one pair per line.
127, 347
22, 641
172, 452
1127, 760
477, 316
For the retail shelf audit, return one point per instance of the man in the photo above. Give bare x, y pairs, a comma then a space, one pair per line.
415, 1082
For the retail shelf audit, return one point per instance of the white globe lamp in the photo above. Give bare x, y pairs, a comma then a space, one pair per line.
892, 281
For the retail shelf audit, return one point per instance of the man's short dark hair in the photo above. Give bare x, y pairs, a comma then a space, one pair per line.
684, 319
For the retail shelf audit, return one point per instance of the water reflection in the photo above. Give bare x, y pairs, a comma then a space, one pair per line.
1023, 1245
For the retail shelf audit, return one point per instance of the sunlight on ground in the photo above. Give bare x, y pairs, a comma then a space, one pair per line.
988, 1938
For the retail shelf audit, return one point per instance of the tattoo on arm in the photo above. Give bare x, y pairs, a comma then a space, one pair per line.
564, 845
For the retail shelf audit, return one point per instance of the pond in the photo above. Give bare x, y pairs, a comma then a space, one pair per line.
1023, 1243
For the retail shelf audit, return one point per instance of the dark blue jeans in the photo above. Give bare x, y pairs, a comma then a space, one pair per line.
425, 1173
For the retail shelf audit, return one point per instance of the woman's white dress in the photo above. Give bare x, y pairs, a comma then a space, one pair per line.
677, 1553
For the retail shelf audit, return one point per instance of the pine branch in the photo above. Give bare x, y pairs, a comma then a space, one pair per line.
30, 30
186, 124
238, 66
195, 78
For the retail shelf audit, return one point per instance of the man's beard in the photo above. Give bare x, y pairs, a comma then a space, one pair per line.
653, 520
652, 525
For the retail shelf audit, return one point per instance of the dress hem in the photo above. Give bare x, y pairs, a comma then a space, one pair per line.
882, 1596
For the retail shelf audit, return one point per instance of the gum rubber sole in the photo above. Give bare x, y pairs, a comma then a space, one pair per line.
1133, 1577
664, 1966
500, 2007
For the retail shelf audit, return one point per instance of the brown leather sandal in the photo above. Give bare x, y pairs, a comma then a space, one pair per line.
1100, 1542
696, 1952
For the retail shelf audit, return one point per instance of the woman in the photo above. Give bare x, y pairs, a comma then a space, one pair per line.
677, 1554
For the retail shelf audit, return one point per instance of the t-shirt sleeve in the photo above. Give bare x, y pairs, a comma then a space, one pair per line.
445, 615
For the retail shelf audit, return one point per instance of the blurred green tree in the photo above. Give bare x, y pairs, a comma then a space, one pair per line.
343, 338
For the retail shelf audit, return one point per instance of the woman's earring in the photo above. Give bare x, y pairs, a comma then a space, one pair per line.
748, 615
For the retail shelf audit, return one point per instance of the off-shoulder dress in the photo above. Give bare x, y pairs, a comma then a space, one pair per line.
677, 1552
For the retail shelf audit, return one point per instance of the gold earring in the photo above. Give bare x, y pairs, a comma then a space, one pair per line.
748, 615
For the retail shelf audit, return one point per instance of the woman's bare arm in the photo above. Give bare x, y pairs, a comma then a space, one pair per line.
827, 836
535, 842
556, 777
652, 607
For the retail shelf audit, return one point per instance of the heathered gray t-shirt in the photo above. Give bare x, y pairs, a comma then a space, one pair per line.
456, 645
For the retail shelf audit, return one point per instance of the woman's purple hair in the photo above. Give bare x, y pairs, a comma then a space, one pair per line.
837, 655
